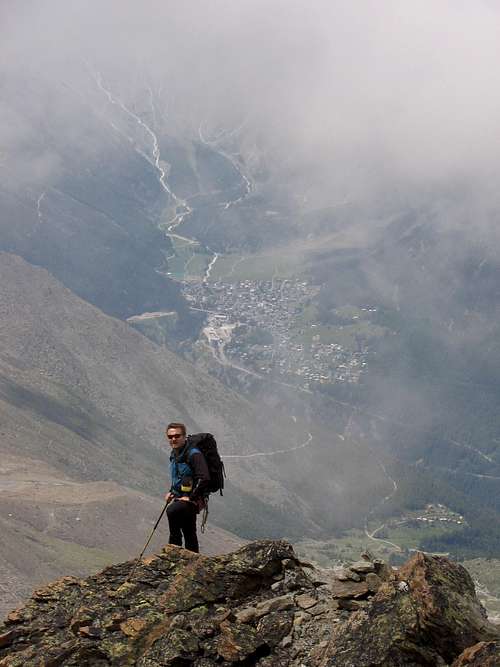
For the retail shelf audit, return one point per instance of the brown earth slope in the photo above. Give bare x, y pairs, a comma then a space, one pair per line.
52, 524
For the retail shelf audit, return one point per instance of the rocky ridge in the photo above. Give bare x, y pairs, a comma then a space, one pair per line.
259, 606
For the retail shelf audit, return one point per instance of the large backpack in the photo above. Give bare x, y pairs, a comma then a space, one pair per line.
207, 445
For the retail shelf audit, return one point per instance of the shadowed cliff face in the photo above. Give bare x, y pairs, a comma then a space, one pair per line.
256, 606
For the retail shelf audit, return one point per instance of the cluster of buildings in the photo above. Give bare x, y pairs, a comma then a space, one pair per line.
270, 332
439, 514
432, 516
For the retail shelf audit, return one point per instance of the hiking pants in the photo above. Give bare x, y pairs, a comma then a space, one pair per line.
182, 521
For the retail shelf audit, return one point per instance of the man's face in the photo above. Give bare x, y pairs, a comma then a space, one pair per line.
176, 438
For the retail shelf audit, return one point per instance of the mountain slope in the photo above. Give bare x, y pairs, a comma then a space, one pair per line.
70, 374
89, 397
52, 524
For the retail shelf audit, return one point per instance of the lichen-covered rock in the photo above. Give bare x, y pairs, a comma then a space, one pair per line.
180, 609
237, 642
427, 622
306, 601
274, 604
383, 571
275, 627
373, 582
362, 567
347, 575
484, 654
350, 589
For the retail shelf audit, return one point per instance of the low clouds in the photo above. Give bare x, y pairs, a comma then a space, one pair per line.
354, 97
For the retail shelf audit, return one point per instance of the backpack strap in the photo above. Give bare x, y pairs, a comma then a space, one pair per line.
189, 450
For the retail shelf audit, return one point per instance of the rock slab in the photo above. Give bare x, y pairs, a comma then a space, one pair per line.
425, 618
180, 609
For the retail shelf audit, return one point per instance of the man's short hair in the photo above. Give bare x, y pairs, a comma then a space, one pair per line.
178, 425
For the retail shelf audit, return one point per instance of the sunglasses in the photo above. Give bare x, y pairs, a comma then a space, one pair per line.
174, 436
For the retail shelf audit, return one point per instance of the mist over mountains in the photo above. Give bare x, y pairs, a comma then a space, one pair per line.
433, 381
148, 154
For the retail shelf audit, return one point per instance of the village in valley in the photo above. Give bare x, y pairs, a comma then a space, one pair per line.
264, 326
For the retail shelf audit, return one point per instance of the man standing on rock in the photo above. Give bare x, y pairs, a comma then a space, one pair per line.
190, 480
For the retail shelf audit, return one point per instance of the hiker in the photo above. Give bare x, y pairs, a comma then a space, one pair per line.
190, 486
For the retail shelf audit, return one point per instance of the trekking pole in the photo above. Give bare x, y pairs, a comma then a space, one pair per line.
146, 545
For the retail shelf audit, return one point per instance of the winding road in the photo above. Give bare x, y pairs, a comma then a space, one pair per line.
304, 444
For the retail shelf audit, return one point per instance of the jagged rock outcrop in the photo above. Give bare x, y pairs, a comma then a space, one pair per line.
257, 606
424, 617
178, 609
484, 654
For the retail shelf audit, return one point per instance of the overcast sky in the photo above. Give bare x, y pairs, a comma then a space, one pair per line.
371, 91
